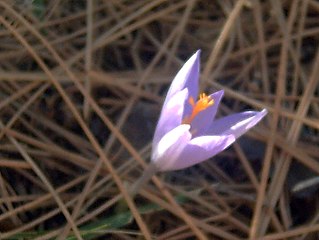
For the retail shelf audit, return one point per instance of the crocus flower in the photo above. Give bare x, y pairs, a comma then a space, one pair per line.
187, 132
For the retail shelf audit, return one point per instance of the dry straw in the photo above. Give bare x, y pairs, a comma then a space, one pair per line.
81, 87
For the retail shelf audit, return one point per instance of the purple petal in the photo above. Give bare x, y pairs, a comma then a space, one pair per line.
187, 77
203, 121
198, 150
236, 124
168, 149
171, 115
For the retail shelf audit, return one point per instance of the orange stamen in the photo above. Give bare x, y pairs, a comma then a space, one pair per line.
203, 102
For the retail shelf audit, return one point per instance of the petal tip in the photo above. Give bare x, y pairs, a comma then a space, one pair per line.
198, 52
196, 57
220, 92
263, 112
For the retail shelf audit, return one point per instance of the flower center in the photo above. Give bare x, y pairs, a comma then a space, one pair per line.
202, 103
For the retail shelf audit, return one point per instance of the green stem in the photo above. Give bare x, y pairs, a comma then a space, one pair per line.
146, 176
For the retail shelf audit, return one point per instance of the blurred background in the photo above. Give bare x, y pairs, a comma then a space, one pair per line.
81, 89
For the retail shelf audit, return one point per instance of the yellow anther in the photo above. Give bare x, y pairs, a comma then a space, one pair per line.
203, 102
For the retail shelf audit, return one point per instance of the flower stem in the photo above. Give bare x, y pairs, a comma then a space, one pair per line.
146, 176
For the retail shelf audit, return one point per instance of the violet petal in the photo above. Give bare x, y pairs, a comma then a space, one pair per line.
187, 77
203, 121
236, 124
198, 150
168, 149
171, 115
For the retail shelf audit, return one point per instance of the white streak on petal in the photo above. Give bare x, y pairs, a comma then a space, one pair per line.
187, 77
200, 149
171, 115
236, 124
168, 149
